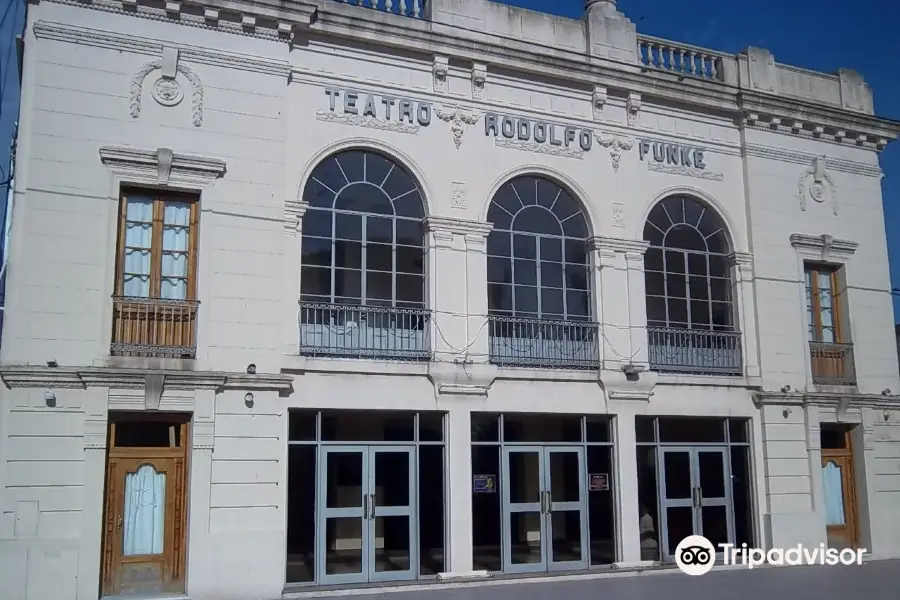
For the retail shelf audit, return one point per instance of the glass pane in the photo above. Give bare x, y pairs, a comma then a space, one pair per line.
737, 429
392, 543
485, 427
712, 474
175, 238
431, 521
302, 425
686, 430
525, 537
601, 506
524, 477
392, 478
541, 428
597, 429
144, 518
343, 545
644, 429
565, 477
139, 209
565, 536
677, 474
487, 518
343, 473
714, 520
679, 525
301, 511
833, 483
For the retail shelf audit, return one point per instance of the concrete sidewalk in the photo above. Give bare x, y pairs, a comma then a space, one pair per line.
874, 580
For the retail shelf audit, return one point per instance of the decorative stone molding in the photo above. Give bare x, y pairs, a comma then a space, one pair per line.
682, 170
616, 145
293, 215
161, 166
804, 158
479, 78
618, 386
618, 215
458, 118
539, 148
823, 131
823, 247
166, 90
632, 108
598, 101
817, 183
458, 226
827, 400
366, 121
300, 16
619, 245
75, 378
439, 71
743, 262
451, 379
459, 196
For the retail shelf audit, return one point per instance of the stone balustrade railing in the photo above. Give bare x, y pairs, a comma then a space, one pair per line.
683, 59
408, 8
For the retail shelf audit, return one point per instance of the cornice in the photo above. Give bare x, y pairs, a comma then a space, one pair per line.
460, 226
161, 166
81, 378
283, 20
806, 158
823, 247
150, 47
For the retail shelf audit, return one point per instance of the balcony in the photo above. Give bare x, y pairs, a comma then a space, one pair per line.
832, 364
696, 352
347, 331
154, 327
406, 8
518, 342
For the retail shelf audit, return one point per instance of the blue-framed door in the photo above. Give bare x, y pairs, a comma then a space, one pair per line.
343, 554
523, 508
392, 525
565, 514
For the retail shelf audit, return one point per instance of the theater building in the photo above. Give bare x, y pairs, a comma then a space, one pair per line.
317, 293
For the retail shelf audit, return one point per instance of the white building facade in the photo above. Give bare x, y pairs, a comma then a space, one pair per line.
312, 293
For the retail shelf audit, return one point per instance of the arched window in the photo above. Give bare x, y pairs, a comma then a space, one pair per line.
687, 273
537, 253
363, 233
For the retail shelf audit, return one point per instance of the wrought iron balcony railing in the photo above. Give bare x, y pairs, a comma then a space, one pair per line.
348, 331
832, 364
694, 351
154, 327
520, 342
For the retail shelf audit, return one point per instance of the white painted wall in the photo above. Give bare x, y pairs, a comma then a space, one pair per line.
76, 98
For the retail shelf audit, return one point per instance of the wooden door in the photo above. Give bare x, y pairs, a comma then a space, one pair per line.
144, 520
840, 499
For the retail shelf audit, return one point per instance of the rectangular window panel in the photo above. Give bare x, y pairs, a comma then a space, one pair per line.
576, 277
676, 285
410, 260
379, 257
317, 223
720, 289
722, 315
500, 297
524, 272
409, 233
551, 274
316, 251
498, 244
347, 255
379, 286
674, 261
699, 288
524, 246
655, 283
526, 299
653, 260
499, 270
411, 288
577, 304
347, 283
576, 252
656, 309
347, 227
700, 314
380, 229
677, 312
551, 249
697, 264
552, 302
315, 281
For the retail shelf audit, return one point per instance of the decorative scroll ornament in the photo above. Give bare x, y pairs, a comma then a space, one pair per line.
167, 91
459, 119
366, 121
539, 148
616, 145
817, 183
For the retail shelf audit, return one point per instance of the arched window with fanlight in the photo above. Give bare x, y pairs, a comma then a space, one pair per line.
539, 283
363, 277
691, 316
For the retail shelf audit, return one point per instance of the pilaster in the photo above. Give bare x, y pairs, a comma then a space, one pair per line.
745, 302
457, 287
637, 304
458, 525
95, 428
626, 489
292, 261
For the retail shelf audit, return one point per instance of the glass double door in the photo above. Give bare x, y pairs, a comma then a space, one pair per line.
695, 495
544, 516
367, 514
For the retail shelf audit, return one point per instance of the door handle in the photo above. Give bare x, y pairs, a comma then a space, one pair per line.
697, 495
545, 502
118, 522
365, 507
372, 504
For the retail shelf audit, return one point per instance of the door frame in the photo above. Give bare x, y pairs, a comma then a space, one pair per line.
696, 500
368, 512
544, 507
118, 458
843, 457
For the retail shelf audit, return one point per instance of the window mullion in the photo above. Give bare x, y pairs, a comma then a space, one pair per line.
333, 257
836, 308
816, 307
537, 266
665, 284
364, 261
120, 262
687, 288
156, 237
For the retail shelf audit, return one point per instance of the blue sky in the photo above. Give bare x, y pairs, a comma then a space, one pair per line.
817, 34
